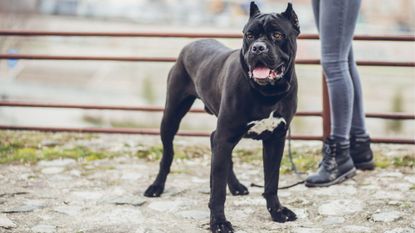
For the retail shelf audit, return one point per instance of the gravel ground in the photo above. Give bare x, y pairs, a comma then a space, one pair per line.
105, 195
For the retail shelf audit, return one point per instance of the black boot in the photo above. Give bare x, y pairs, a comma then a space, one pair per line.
336, 166
361, 153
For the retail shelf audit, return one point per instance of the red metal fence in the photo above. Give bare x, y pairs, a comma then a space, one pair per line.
324, 113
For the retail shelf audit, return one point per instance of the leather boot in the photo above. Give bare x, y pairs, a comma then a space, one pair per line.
336, 166
361, 153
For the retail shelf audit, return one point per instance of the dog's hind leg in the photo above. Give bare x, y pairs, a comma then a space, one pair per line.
234, 185
178, 103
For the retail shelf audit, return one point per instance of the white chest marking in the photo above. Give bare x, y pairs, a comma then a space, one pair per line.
265, 124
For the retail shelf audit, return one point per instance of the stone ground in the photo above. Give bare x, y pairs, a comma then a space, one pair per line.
105, 195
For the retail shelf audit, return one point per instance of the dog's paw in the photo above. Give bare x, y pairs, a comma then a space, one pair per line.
282, 215
154, 190
221, 227
238, 189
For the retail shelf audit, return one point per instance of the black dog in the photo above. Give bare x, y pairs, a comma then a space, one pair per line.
252, 91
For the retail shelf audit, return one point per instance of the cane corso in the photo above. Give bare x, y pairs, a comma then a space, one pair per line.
253, 93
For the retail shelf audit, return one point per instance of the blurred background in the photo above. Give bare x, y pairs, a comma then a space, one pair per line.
386, 89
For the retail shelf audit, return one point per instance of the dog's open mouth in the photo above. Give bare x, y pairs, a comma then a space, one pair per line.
264, 75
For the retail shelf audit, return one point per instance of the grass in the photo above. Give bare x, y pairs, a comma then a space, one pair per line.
155, 152
304, 161
30, 147
152, 153
27, 147
16, 154
405, 160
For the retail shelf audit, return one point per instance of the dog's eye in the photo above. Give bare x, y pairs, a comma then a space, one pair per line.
249, 36
278, 36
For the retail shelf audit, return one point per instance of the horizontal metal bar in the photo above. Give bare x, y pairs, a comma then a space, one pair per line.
87, 106
87, 58
6, 32
180, 133
121, 34
383, 115
393, 140
187, 133
172, 59
114, 107
395, 115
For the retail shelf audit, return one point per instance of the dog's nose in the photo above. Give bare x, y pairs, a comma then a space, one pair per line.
259, 47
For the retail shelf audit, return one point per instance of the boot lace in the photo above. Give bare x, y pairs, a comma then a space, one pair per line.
329, 156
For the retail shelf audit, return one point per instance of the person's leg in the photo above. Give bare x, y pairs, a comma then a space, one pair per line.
360, 150
337, 22
316, 10
358, 127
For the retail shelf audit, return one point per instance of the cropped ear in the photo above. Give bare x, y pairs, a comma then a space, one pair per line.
292, 16
253, 9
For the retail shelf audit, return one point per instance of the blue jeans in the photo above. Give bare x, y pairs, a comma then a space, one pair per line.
336, 21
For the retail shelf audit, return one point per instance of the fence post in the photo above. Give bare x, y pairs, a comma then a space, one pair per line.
326, 109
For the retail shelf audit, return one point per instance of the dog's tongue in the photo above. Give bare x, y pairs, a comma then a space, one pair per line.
261, 72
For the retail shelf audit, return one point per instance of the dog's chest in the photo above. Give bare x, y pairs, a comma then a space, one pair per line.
266, 125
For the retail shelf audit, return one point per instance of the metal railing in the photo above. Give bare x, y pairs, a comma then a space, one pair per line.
324, 113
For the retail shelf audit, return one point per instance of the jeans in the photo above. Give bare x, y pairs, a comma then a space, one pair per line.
336, 21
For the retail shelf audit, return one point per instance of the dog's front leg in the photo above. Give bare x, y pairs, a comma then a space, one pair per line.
220, 169
273, 149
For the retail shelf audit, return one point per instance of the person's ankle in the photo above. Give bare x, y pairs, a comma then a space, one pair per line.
361, 152
362, 136
339, 140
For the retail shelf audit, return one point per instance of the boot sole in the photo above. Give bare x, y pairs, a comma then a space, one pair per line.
339, 179
370, 165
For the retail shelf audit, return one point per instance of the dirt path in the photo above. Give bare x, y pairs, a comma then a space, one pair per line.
105, 195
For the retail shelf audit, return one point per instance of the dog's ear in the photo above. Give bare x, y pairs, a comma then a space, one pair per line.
292, 16
253, 9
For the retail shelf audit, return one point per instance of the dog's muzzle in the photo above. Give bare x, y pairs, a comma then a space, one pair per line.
264, 75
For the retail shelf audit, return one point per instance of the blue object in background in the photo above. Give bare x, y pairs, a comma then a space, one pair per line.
11, 63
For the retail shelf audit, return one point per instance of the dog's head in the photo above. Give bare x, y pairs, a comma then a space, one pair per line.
269, 48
